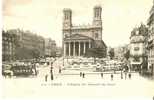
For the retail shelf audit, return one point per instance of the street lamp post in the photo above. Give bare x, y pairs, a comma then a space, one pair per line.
63, 61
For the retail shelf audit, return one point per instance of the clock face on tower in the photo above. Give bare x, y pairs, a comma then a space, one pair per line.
66, 35
66, 25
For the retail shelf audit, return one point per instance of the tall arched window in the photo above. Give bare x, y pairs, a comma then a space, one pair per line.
66, 16
97, 13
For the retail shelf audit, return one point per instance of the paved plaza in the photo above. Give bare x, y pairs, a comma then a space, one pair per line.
70, 85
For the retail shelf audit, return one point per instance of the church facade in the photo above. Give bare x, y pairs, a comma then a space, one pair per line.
77, 40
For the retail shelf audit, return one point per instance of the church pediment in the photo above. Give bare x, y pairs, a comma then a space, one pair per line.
78, 37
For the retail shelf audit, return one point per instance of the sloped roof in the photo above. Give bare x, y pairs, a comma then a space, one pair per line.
100, 44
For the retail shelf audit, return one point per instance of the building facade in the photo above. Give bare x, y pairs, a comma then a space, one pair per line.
32, 42
28, 45
120, 51
151, 40
78, 39
19, 45
50, 48
138, 54
59, 52
40, 45
8, 46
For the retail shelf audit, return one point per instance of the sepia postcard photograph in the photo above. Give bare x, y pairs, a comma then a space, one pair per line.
79, 49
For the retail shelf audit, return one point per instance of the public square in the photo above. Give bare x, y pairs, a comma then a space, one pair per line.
67, 84
80, 49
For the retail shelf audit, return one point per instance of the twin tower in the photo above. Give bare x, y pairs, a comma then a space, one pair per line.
77, 40
95, 27
67, 19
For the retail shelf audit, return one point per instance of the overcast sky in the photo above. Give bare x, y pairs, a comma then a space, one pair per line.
45, 16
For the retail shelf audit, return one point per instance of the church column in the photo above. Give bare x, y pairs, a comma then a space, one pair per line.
89, 44
84, 48
69, 44
74, 49
64, 49
79, 48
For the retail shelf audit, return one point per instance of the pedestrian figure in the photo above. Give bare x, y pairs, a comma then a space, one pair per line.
111, 76
101, 75
51, 72
46, 77
83, 75
121, 75
51, 76
125, 75
80, 74
129, 75
59, 70
51, 67
34, 69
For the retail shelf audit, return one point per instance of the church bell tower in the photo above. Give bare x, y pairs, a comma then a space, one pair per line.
97, 23
97, 20
67, 18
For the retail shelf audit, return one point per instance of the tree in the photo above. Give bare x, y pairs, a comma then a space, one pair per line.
145, 63
25, 53
35, 53
127, 54
111, 53
143, 30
